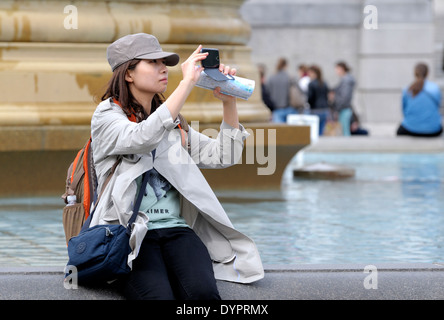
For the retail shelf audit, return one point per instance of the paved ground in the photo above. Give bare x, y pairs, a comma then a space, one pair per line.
294, 282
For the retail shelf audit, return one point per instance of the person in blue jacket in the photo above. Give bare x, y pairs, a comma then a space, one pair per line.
420, 106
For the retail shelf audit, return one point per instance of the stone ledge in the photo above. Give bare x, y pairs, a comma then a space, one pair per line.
414, 281
45, 153
395, 144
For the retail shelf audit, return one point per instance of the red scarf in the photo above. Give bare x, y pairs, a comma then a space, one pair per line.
131, 117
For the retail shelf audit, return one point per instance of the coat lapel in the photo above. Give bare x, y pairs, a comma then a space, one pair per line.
175, 164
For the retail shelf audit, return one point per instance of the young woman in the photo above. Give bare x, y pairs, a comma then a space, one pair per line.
342, 97
182, 238
421, 102
317, 96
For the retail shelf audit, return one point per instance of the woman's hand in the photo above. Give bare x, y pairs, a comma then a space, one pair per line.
191, 73
229, 102
223, 97
190, 68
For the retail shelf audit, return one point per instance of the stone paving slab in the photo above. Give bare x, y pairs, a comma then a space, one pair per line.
417, 281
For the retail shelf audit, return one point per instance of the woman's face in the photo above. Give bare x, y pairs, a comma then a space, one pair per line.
312, 74
339, 71
149, 77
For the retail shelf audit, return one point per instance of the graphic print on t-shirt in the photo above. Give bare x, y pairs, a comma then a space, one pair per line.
159, 184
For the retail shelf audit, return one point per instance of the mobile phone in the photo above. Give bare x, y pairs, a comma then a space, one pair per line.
212, 60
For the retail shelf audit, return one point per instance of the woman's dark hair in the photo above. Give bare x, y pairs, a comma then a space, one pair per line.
421, 71
343, 65
282, 63
118, 88
317, 71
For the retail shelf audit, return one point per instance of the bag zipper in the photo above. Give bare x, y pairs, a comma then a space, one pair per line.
108, 232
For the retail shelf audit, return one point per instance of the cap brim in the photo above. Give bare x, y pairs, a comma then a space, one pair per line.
171, 58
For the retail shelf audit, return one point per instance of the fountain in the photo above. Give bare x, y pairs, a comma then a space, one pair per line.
53, 65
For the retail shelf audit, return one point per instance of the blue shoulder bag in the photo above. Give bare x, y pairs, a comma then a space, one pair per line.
100, 253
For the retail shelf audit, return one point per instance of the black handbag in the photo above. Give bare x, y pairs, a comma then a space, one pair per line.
100, 253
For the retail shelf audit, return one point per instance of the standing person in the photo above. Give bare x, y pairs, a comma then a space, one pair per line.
317, 96
278, 87
303, 78
265, 95
299, 90
342, 96
420, 106
182, 239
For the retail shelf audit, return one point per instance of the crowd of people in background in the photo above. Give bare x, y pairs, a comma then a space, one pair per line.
309, 93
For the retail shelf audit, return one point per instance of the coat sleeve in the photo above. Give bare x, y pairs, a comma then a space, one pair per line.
215, 150
114, 134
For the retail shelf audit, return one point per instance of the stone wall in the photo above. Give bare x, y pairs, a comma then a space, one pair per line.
54, 73
439, 41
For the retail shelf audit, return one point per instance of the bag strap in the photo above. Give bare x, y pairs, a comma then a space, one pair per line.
138, 202
139, 198
111, 173
136, 205
135, 209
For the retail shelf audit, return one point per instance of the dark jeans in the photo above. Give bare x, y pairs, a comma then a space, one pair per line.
404, 132
172, 263
324, 115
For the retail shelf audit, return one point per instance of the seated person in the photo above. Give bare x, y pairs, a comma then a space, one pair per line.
420, 107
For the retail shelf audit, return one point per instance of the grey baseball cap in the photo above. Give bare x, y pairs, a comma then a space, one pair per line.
138, 46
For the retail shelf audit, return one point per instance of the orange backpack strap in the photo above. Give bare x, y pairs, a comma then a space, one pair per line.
184, 129
80, 168
111, 173
132, 117
76, 176
183, 123
88, 192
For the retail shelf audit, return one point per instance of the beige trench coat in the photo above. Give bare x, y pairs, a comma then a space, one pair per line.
235, 256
